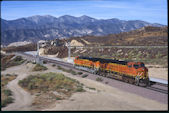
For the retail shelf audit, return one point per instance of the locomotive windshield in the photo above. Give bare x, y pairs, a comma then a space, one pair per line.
138, 66
142, 65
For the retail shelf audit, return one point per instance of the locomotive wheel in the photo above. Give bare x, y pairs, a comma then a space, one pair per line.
131, 81
126, 80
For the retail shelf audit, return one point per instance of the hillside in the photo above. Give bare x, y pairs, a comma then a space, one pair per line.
156, 36
149, 36
48, 27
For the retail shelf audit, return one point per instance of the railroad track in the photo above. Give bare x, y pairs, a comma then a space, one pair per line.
161, 90
158, 89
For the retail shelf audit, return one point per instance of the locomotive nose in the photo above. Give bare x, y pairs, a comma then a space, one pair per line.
145, 71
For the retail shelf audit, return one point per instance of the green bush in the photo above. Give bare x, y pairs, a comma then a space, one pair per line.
33, 62
30, 86
73, 73
44, 62
106, 82
8, 74
79, 73
7, 92
91, 88
67, 70
53, 65
50, 82
80, 89
59, 67
58, 98
99, 79
85, 75
6, 101
39, 67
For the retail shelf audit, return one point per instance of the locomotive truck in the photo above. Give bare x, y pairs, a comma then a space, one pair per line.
128, 71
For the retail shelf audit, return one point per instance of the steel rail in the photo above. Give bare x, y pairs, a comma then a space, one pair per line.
71, 66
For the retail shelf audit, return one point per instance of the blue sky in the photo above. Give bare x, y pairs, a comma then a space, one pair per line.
154, 11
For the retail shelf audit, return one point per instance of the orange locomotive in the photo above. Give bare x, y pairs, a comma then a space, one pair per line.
133, 72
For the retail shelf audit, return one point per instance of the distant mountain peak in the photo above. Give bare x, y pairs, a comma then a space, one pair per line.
42, 27
85, 17
67, 16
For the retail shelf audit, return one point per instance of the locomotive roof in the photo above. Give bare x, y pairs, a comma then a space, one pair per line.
104, 60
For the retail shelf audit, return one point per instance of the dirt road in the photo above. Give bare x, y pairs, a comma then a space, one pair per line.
23, 99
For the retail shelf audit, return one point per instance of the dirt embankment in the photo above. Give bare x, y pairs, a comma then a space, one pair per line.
157, 71
23, 99
102, 97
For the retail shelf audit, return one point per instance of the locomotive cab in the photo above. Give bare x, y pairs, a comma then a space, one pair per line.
141, 72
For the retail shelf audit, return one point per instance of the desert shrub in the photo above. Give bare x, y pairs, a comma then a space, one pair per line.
8, 74
7, 92
18, 58
30, 86
58, 98
85, 75
79, 73
50, 82
33, 62
28, 62
67, 70
44, 62
53, 65
91, 88
7, 61
80, 89
73, 73
7, 101
99, 79
59, 67
17, 61
106, 82
39, 67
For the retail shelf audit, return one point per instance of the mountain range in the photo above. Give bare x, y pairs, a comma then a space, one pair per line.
49, 27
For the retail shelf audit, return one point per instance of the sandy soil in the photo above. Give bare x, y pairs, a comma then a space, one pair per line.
103, 98
75, 43
157, 71
161, 73
85, 41
23, 99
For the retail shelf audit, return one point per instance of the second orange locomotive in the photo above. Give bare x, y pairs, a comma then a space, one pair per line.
133, 72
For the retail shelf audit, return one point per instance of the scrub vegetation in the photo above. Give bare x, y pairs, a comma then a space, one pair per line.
49, 87
6, 93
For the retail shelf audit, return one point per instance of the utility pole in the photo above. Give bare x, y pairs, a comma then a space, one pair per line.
69, 51
37, 56
38, 61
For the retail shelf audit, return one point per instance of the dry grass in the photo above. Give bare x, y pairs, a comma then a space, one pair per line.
7, 61
39, 67
6, 93
67, 70
28, 47
50, 87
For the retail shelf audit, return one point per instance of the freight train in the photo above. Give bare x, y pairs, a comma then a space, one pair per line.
128, 71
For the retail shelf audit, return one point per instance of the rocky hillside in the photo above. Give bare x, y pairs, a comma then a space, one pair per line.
48, 27
144, 36
150, 36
